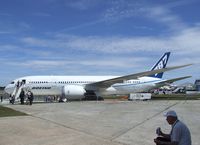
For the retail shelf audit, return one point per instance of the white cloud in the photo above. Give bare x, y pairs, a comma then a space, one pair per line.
41, 14
82, 4
36, 42
6, 14
186, 41
24, 25
120, 53
163, 15
111, 52
8, 47
118, 10
63, 53
121, 9
88, 62
5, 32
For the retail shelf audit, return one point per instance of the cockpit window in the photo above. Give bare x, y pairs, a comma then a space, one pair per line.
12, 82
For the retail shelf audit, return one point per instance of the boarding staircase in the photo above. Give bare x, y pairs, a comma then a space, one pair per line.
17, 91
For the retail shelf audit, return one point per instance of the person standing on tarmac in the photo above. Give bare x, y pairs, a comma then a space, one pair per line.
1, 98
21, 96
12, 99
30, 97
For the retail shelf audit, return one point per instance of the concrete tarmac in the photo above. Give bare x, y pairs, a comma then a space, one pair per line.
107, 122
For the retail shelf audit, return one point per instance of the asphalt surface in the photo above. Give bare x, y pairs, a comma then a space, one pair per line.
96, 123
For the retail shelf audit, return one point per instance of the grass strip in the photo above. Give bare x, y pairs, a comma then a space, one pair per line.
6, 112
175, 97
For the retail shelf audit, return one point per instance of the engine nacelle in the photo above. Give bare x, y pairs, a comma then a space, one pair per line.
73, 91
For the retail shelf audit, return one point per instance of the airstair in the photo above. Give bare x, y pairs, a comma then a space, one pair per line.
17, 91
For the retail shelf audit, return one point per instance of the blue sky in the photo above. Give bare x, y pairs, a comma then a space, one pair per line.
97, 37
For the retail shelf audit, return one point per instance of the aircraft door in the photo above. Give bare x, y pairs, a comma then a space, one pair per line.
23, 81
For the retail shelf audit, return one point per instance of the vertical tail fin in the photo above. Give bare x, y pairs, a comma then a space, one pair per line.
161, 64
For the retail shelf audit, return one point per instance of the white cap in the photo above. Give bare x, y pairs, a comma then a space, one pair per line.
170, 113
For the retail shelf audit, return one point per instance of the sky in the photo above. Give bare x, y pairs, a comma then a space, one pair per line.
97, 37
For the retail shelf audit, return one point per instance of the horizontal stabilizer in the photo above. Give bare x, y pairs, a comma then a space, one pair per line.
173, 80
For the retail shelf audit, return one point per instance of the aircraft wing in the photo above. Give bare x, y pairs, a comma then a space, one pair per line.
109, 82
172, 80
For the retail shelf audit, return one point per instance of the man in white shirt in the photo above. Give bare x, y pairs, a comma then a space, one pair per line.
179, 135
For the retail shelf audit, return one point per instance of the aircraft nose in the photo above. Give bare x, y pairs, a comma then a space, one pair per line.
6, 89
9, 89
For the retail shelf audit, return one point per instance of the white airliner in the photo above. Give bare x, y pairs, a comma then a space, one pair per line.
79, 87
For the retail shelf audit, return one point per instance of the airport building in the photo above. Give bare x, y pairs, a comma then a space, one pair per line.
197, 84
2, 91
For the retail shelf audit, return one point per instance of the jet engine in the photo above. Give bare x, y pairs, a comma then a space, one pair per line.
73, 91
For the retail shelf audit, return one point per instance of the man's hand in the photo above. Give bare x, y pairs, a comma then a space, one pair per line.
158, 131
156, 141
